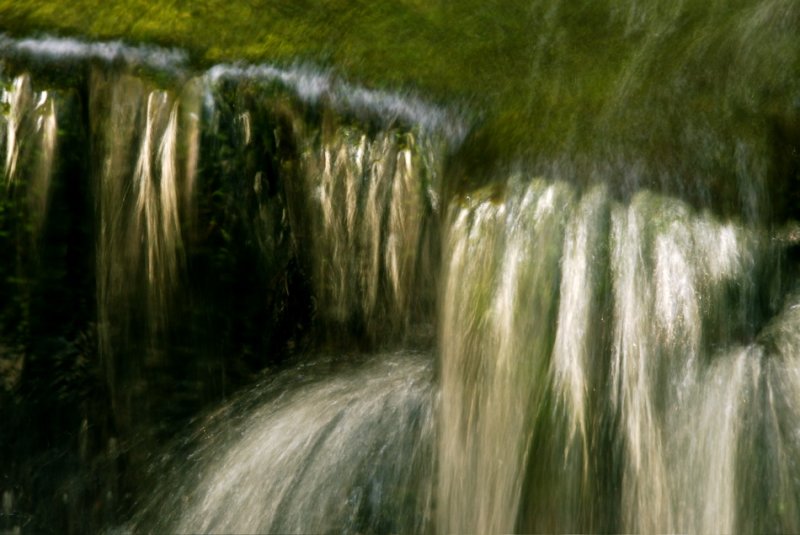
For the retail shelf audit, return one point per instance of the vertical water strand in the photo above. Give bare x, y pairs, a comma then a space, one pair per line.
244, 121
323, 219
5, 112
473, 242
694, 261
116, 120
522, 315
170, 233
575, 355
767, 468
422, 286
674, 271
356, 156
39, 187
499, 350
143, 186
19, 100
522, 307
368, 207
147, 213
30, 142
579, 495
332, 267
780, 392
136, 132
645, 491
705, 444
157, 209
115, 109
380, 169
347, 181
169, 179
189, 123
669, 295
5, 107
406, 216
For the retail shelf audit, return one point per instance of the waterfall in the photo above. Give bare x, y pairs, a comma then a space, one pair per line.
567, 317
303, 305
496, 308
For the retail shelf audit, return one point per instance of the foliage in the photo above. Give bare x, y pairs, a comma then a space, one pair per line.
547, 76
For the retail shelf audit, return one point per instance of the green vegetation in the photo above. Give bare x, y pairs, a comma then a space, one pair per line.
544, 76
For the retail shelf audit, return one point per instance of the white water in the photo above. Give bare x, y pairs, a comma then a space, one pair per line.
498, 305
29, 145
139, 200
565, 315
348, 451
370, 202
313, 86
68, 49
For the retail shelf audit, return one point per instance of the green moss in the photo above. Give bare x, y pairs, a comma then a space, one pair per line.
544, 77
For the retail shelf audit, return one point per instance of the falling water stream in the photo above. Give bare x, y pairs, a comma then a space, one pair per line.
246, 476
557, 347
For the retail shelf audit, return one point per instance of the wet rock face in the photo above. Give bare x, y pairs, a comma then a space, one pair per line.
168, 233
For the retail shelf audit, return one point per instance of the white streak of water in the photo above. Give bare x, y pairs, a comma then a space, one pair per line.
314, 86
349, 452
65, 48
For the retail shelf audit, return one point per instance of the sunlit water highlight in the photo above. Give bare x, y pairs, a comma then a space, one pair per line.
29, 144
362, 438
574, 317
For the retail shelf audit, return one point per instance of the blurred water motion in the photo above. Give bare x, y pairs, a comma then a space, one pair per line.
245, 477
444, 326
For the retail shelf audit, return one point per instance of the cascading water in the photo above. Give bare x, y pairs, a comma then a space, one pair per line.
350, 453
553, 347
628, 375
